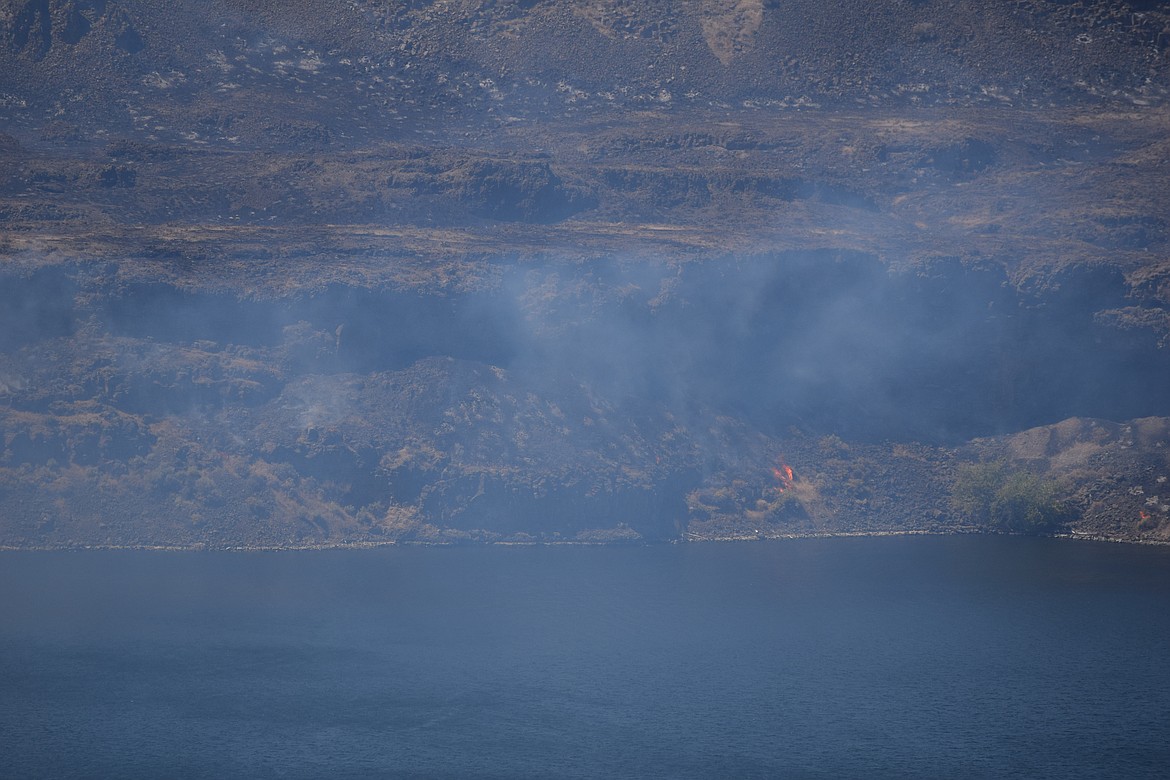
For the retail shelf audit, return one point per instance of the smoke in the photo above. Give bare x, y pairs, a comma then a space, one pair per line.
833, 343
827, 342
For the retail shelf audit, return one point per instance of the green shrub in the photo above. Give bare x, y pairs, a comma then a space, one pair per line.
992, 494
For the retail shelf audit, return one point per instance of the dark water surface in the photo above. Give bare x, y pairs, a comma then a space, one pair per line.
884, 657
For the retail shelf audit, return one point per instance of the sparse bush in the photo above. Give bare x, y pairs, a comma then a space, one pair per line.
832, 445
992, 494
924, 31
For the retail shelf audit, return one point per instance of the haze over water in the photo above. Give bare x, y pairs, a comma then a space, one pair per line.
876, 657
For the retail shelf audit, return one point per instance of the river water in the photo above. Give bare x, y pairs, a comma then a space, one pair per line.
813, 658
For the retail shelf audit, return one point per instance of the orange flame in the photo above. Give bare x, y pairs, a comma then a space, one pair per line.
783, 475
1144, 515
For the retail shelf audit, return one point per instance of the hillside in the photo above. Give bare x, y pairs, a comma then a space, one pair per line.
317, 273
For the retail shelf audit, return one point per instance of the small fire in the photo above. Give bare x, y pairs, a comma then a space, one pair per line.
1144, 515
783, 475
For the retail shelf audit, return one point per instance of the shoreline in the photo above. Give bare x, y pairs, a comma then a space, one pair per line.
971, 531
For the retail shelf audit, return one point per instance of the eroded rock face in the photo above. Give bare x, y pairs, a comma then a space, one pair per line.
524, 192
312, 74
35, 27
